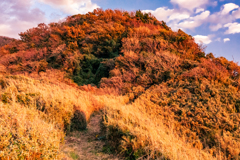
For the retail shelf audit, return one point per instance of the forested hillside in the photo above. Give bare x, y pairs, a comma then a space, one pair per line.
5, 40
161, 95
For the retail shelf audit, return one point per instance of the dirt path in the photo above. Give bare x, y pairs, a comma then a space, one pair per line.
86, 145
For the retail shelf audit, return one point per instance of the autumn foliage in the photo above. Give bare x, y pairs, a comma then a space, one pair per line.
5, 40
165, 86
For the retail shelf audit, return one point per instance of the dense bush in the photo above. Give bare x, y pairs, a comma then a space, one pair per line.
5, 40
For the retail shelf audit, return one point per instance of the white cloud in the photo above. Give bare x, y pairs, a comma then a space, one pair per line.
232, 28
236, 13
226, 8
178, 16
226, 40
227, 14
162, 13
72, 6
202, 39
18, 16
186, 19
216, 27
202, 16
194, 22
190, 4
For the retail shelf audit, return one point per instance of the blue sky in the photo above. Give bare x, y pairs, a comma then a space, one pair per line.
213, 23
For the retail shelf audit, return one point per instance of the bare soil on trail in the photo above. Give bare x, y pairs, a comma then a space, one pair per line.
87, 144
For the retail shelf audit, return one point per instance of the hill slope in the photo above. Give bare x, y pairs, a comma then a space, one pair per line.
167, 90
5, 40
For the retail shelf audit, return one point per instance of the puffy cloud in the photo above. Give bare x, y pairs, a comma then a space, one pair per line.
226, 40
195, 21
20, 10
188, 24
232, 28
228, 8
215, 27
202, 39
18, 16
72, 6
190, 4
202, 16
161, 13
179, 18
227, 15
236, 13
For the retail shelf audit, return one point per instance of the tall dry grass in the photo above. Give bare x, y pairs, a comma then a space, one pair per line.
24, 135
36, 114
144, 136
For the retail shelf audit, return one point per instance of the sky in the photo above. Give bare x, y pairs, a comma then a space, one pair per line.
213, 23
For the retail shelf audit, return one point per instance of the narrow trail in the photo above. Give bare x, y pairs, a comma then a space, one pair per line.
85, 145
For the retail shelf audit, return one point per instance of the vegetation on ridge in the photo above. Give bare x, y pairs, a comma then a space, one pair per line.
161, 95
5, 40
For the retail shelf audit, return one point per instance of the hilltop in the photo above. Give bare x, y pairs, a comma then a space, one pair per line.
5, 40
159, 94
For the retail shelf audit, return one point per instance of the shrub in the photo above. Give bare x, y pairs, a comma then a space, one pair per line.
78, 121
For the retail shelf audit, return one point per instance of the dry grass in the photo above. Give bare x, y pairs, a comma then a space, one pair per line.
144, 135
58, 101
36, 113
24, 135
135, 128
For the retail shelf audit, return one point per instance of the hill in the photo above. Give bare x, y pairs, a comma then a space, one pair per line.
160, 95
5, 40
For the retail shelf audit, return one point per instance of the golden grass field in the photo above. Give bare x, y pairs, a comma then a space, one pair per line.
36, 113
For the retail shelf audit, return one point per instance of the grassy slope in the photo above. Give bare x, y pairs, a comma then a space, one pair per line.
46, 93
28, 102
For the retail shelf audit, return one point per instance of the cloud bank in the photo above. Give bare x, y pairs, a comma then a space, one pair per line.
19, 15
190, 4
72, 6
189, 15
